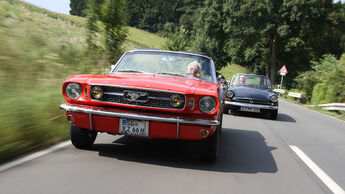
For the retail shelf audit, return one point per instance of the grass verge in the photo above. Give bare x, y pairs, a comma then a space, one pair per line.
39, 49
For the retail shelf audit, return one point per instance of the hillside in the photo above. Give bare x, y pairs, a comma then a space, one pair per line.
39, 49
231, 69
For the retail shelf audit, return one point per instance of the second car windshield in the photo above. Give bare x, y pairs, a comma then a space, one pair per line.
251, 80
166, 63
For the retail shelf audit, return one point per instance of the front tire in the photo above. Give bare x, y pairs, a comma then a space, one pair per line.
221, 123
272, 114
208, 148
82, 138
226, 111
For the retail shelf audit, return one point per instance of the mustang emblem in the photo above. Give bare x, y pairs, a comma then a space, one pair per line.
135, 96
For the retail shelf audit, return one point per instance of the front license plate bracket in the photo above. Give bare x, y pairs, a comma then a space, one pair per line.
250, 109
134, 127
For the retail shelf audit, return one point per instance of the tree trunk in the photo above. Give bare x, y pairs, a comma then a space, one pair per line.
273, 59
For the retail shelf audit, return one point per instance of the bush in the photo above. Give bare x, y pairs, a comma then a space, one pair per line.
306, 82
106, 25
325, 83
320, 94
178, 40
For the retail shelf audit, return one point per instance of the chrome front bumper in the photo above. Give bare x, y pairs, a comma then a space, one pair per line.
70, 108
268, 107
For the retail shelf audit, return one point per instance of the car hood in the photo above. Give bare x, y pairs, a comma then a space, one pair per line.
149, 81
252, 93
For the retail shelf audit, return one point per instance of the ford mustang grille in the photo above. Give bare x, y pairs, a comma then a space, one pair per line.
139, 97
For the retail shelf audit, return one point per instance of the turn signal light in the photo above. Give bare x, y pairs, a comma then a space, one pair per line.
204, 133
71, 118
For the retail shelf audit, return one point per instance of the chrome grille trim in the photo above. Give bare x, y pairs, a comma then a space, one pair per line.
159, 99
252, 101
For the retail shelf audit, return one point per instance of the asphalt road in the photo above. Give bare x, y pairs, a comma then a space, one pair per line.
255, 157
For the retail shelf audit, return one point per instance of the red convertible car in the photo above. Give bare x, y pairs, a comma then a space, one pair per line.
149, 93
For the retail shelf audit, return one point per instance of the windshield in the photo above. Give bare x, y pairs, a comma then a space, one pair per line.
251, 80
167, 63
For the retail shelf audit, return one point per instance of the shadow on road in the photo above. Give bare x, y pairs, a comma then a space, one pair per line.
240, 151
281, 116
285, 118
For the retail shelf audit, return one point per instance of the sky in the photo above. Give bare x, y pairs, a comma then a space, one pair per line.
62, 6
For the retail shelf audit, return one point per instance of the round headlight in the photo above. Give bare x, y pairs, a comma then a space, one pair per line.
97, 92
230, 94
274, 98
73, 90
207, 104
175, 100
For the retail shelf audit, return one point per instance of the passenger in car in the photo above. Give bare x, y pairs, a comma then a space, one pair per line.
242, 80
194, 69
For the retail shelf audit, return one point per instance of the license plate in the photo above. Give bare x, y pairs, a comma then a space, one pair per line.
249, 109
134, 127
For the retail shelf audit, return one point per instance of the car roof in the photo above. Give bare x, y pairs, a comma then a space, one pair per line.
166, 51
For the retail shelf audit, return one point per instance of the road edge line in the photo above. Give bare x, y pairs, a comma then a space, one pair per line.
328, 181
33, 156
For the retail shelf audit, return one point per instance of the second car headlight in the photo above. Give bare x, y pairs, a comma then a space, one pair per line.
97, 92
73, 90
274, 98
230, 94
207, 104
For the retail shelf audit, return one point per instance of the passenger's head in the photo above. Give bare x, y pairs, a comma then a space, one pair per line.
194, 68
242, 79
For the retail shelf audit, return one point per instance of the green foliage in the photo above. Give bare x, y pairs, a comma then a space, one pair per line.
265, 35
37, 53
327, 80
306, 82
106, 25
320, 94
152, 15
209, 36
178, 40
39, 49
78, 7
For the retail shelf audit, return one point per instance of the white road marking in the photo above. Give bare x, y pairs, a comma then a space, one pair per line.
333, 186
33, 156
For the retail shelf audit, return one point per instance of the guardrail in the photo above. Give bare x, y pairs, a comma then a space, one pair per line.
333, 106
281, 91
295, 95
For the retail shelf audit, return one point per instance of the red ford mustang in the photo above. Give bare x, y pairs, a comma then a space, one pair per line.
149, 93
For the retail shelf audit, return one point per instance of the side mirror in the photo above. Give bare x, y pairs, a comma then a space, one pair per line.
219, 79
111, 68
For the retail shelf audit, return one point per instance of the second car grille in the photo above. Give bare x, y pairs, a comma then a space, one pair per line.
139, 97
252, 101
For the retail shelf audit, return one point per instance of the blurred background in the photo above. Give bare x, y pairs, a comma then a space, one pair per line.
39, 49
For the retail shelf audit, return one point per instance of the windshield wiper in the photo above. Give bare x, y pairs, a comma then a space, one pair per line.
131, 71
174, 74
